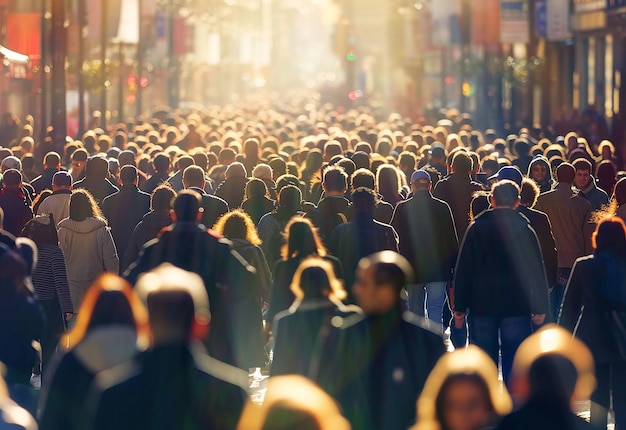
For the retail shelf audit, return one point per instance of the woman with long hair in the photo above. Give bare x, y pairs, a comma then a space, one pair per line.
87, 244
594, 280
111, 328
462, 392
301, 241
49, 279
318, 295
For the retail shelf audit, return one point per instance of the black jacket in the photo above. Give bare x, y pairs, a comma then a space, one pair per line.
232, 190
226, 277
428, 236
330, 212
154, 181
457, 191
214, 207
500, 269
357, 239
16, 210
99, 188
376, 367
124, 210
145, 230
170, 387
43, 181
540, 222
543, 415
583, 289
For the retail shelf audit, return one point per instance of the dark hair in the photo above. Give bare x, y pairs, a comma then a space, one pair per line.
335, 179
565, 173
582, 164
529, 192
83, 205
364, 200
161, 162
408, 159
128, 174
552, 377
610, 235
52, 159
184, 161
361, 160
301, 240
162, 197
186, 205
289, 202
462, 163
505, 193
193, 176
363, 178
112, 307
256, 188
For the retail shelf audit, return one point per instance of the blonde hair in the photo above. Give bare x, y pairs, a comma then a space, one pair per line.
221, 225
334, 289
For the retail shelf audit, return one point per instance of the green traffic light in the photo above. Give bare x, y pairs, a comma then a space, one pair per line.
351, 56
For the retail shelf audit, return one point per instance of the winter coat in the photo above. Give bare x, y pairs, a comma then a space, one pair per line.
146, 230
89, 251
124, 210
57, 204
500, 269
43, 181
99, 188
597, 197
541, 224
569, 216
17, 211
428, 238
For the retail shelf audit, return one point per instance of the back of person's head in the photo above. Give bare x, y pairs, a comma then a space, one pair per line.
462, 163
237, 225
129, 175
187, 205
262, 171
11, 163
363, 178
388, 181
110, 302
293, 402
361, 160
529, 192
162, 198
96, 168
52, 160
83, 205
161, 163
610, 235
234, 170
183, 162
126, 158
62, 179
301, 239
505, 194
335, 179
285, 180
389, 268
552, 378
315, 278
279, 167
193, 176
178, 304
256, 189
364, 200
290, 198
620, 192
408, 161
11, 178
565, 173
331, 149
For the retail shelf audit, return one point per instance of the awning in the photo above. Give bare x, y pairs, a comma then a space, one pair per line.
12, 56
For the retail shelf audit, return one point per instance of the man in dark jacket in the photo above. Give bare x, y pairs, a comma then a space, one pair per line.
429, 242
387, 354
190, 246
51, 165
361, 237
500, 278
457, 191
125, 208
214, 207
162, 166
173, 385
334, 208
13, 202
95, 181
586, 184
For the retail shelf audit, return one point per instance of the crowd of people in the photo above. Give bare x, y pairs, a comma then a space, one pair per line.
148, 267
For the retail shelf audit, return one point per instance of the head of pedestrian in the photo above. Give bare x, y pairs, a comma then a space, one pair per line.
61, 181
508, 173
12, 178
178, 304
421, 180
96, 168
193, 177
565, 173
187, 207
462, 392
462, 163
552, 367
293, 402
380, 280
438, 154
335, 181
129, 175
583, 169
11, 162
505, 194
364, 201
315, 279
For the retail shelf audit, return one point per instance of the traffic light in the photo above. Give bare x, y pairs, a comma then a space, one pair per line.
351, 55
466, 89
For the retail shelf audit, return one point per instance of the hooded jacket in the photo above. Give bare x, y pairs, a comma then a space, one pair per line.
594, 195
89, 251
548, 182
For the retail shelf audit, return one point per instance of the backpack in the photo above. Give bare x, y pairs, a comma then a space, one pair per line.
612, 297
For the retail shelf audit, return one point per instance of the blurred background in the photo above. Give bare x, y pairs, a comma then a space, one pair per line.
503, 61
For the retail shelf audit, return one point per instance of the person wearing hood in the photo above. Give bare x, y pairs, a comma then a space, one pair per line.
13, 202
586, 185
87, 244
95, 181
540, 172
112, 327
151, 224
